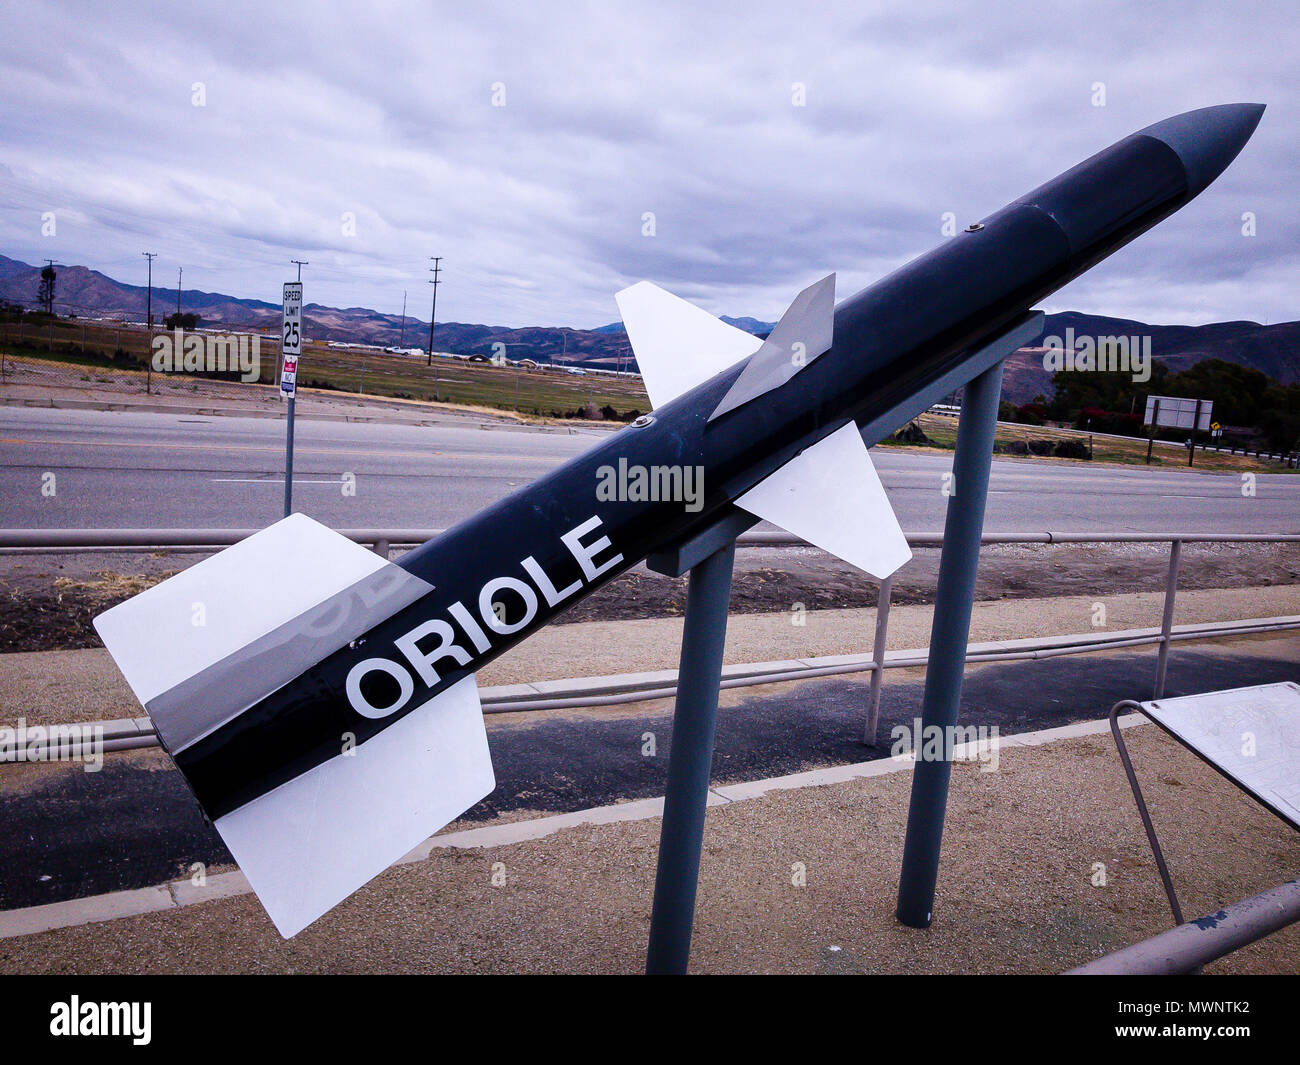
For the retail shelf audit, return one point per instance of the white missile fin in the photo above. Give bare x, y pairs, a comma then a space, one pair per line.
309, 844
204, 645
677, 344
189, 622
831, 496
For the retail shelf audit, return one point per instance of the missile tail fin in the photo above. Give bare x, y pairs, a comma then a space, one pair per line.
204, 646
310, 843
805, 331
831, 496
677, 344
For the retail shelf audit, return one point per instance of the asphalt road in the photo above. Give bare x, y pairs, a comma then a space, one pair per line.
117, 469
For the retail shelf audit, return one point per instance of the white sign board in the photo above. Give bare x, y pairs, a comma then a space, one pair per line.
1178, 413
1250, 735
290, 338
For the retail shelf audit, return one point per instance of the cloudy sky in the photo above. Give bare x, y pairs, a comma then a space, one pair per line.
527, 143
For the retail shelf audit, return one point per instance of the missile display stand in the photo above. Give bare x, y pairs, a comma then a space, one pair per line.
950, 632
709, 558
681, 836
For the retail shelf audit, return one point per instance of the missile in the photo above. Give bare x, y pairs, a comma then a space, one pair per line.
325, 713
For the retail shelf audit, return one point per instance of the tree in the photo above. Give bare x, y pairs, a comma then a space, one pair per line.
1279, 417
186, 320
1238, 391
1108, 391
46, 291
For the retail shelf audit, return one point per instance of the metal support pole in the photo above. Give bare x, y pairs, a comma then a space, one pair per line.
689, 762
878, 661
1155, 424
1156, 852
950, 632
1167, 618
1191, 442
288, 464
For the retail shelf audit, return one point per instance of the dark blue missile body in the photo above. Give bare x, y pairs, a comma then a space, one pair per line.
890, 340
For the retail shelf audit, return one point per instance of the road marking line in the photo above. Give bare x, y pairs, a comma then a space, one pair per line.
298, 450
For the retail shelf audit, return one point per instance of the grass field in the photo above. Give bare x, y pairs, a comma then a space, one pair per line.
86, 350
1122, 451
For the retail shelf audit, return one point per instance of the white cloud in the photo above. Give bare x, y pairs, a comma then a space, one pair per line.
612, 111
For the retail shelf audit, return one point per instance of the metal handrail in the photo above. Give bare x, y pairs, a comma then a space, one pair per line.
383, 540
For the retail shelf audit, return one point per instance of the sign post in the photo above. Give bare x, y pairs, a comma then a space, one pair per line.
1173, 412
290, 350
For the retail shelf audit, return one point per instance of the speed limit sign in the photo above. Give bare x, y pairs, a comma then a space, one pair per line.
290, 338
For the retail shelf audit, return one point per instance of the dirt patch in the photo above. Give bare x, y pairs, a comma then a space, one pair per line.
50, 600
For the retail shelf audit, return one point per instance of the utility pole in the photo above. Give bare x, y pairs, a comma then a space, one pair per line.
435, 269
180, 270
151, 256
50, 264
402, 343
148, 357
300, 263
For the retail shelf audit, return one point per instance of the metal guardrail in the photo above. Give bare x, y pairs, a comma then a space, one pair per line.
46, 541
55, 540
621, 689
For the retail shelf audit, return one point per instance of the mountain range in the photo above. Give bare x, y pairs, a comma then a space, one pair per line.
1274, 349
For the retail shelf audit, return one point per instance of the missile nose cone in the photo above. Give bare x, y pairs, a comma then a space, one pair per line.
1208, 139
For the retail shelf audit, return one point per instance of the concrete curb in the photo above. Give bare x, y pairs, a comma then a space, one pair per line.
180, 893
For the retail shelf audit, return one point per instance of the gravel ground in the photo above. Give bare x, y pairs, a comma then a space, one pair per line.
49, 600
57, 686
1015, 890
